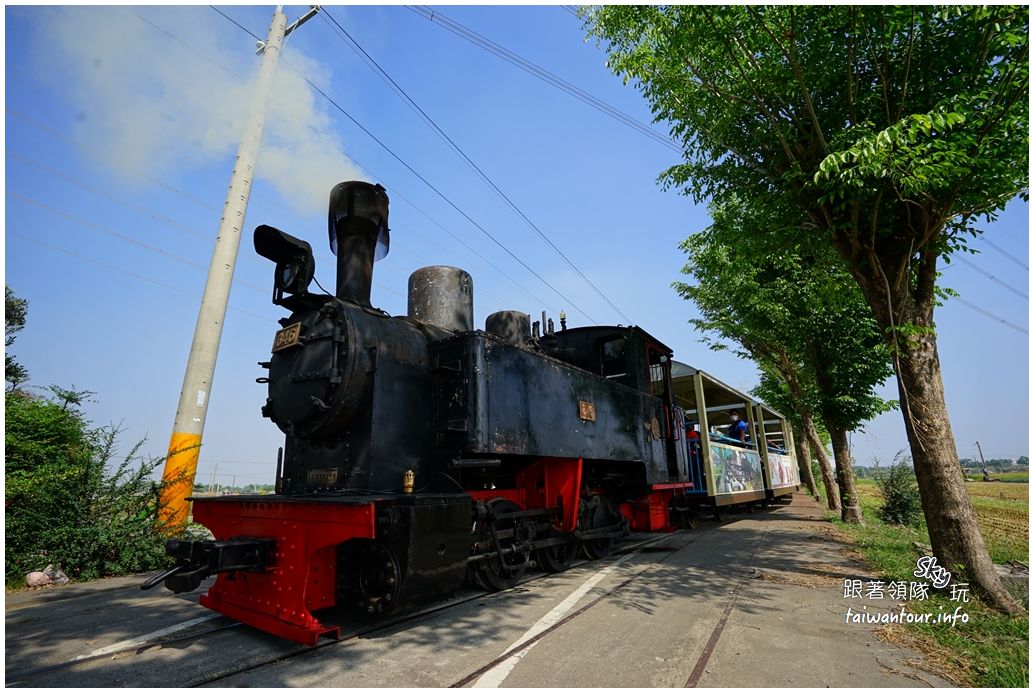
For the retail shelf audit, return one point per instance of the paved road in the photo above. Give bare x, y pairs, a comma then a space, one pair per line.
756, 600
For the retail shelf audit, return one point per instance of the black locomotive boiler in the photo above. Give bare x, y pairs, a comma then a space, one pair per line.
420, 451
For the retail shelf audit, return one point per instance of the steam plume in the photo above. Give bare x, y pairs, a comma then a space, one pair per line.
155, 104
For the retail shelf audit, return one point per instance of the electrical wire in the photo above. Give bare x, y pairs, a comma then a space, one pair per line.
235, 23
396, 194
339, 108
430, 122
991, 315
427, 119
122, 270
237, 281
993, 278
983, 237
95, 154
545, 75
434, 189
192, 49
428, 184
122, 237
139, 210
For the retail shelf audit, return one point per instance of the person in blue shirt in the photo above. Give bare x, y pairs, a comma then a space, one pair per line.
737, 429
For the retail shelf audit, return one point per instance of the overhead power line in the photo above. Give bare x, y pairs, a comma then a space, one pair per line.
983, 237
123, 270
991, 315
192, 49
237, 281
122, 237
172, 36
397, 194
236, 23
108, 196
440, 193
427, 183
96, 154
993, 278
477, 169
545, 75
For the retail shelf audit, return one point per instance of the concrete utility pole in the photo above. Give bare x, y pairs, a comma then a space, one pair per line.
982, 462
185, 444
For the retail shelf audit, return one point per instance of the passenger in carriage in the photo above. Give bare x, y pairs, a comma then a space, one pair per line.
693, 442
737, 430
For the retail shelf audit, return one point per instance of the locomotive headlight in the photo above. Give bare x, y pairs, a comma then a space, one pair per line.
295, 265
293, 277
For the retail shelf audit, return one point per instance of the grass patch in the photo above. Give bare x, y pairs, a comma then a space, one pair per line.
1008, 477
991, 649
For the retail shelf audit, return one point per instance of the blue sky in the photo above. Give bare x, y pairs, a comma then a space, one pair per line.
122, 126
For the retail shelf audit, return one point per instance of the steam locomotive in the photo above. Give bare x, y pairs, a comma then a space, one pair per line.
421, 452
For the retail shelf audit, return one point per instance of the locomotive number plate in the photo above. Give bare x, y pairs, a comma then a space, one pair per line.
322, 476
586, 411
287, 337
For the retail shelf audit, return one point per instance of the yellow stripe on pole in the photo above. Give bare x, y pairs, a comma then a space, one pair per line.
178, 480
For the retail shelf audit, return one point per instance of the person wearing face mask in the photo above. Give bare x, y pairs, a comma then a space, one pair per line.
737, 430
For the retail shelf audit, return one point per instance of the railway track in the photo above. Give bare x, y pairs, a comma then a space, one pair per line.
115, 664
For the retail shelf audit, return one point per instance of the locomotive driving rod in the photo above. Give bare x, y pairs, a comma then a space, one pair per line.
614, 531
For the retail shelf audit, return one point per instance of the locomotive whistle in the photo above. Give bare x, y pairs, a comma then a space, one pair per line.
408, 481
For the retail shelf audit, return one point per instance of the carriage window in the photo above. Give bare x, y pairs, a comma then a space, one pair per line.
657, 362
614, 362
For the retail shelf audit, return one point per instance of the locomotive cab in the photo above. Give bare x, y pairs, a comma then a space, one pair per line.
631, 357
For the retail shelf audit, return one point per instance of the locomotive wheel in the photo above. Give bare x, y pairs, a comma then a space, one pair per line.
492, 573
597, 513
370, 577
557, 559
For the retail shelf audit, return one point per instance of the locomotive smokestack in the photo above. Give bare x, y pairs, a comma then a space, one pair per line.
358, 226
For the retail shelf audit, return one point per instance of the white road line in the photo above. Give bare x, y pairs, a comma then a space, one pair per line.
145, 639
497, 674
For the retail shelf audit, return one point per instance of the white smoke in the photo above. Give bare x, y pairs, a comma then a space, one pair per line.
153, 104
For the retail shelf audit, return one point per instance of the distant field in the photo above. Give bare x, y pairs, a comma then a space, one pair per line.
1007, 477
1023, 477
1002, 511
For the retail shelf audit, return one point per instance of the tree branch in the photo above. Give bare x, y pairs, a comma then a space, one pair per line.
795, 66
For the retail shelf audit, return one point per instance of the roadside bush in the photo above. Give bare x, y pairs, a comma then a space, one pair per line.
901, 502
63, 503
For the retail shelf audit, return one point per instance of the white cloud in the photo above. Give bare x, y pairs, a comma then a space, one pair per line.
152, 104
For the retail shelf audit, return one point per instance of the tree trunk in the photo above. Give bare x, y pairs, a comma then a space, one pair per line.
954, 533
804, 463
832, 493
899, 300
850, 508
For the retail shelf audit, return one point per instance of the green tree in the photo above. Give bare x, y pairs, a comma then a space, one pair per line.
15, 311
798, 315
886, 132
